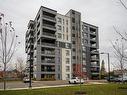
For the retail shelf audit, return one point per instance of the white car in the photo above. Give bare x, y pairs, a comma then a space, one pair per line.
76, 80
26, 80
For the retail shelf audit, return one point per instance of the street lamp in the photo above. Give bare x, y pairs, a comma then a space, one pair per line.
108, 64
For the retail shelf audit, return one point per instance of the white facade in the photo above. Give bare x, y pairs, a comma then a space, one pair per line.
63, 34
63, 28
66, 64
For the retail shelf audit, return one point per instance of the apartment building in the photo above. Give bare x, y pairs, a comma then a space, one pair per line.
56, 49
90, 53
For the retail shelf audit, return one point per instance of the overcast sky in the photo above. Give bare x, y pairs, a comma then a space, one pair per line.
102, 13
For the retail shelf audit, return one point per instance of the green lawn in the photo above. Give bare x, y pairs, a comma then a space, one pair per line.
105, 89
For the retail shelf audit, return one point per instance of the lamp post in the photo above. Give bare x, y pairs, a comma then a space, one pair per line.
108, 64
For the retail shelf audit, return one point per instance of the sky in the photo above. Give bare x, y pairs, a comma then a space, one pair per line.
103, 13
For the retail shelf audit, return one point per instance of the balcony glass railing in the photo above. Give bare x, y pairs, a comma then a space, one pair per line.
52, 18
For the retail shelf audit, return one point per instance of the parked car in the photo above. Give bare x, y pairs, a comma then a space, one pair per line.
76, 80
26, 80
112, 79
120, 79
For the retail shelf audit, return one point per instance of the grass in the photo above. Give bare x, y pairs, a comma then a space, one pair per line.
103, 89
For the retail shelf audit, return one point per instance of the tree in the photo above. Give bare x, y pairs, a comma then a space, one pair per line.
8, 43
20, 66
120, 45
124, 34
123, 4
102, 71
120, 54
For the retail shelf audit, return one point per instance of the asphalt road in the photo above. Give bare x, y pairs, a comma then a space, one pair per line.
20, 84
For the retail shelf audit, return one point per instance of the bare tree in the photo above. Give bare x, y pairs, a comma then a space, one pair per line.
8, 43
121, 55
122, 2
122, 34
120, 45
20, 65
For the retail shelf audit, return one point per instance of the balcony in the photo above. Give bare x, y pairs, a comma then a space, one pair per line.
48, 44
95, 73
93, 46
48, 61
94, 52
49, 17
48, 52
93, 39
94, 65
94, 58
49, 26
49, 34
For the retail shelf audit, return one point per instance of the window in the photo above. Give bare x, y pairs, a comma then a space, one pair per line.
58, 76
67, 68
67, 37
63, 28
58, 67
59, 27
73, 35
85, 34
59, 35
63, 21
66, 22
59, 20
68, 45
73, 20
67, 52
73, 27
74, 49
63, 36
86, 41
73, 42
73, 12
67, 29
58, 59
74, 57
67, 61
67, 76
58, 51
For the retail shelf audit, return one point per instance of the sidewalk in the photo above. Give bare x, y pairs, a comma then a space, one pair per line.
87, 83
